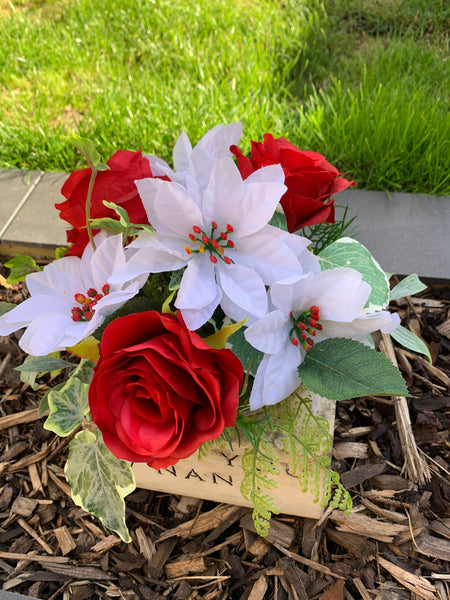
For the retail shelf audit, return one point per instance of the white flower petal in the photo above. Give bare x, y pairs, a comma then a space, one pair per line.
271, 259
108, 258
258, 204
48, 333
366, 323
222, 198
182, 152
269, 333
244, 288
198, 317
198, 286
276, 377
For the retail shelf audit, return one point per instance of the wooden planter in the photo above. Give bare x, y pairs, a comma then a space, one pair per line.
218, 476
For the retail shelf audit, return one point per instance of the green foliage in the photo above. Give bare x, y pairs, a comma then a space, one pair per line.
99, 481
278, 220
259, 467
44, 364
6, 307
407, 287
324, 234
21, 266
341, 369
308, 441
409, 340
87, 149
347, 252
34, 367
69, 403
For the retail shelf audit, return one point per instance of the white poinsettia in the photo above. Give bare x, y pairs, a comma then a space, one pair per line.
193, 165
308, 309
221, 234
70, 298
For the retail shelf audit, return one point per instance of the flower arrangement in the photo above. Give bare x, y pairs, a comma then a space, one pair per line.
196, 311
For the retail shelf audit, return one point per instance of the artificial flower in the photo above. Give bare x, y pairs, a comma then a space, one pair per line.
221, 235
308, 309
309, 179
70, 298
159, 390
193, 165
114, 185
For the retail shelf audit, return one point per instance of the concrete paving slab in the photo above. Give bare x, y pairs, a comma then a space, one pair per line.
15, 186
11, 596
38, 223
406, 233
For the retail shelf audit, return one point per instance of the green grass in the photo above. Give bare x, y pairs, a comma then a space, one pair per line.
364, 82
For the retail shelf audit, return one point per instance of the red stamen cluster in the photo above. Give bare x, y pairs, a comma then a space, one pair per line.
304, 326
87, 301
215, 243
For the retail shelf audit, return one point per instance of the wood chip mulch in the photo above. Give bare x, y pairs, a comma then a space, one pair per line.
395, 544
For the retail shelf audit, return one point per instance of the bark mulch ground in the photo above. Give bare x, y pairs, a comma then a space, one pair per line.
395, 544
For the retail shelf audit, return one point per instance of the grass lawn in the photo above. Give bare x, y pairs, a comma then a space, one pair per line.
364, 82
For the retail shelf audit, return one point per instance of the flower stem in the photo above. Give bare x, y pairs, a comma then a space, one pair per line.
88, 204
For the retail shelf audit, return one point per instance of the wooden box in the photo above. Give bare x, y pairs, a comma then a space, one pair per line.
218, 475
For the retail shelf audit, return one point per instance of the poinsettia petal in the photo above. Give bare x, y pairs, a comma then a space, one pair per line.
48, 332
262, 194
182, 152
244, 288
169, 208
276, 377
269, 333
271, 259
367, 323
198, 285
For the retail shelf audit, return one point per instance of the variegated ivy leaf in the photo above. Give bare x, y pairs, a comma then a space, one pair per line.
347, 252
69, 404
407, 287
409, 340
99, 481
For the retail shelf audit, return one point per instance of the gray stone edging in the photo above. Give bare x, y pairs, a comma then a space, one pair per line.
406, 233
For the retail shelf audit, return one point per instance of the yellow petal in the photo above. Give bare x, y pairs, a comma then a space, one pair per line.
87, 348
166, 305
217, 340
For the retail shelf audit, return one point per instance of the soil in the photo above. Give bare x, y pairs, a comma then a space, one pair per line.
395, 544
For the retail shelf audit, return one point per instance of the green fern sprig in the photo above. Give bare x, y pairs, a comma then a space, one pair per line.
307, 440
259, 465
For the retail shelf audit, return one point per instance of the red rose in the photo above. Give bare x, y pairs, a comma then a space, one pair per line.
115, 185
159, 390
310, 179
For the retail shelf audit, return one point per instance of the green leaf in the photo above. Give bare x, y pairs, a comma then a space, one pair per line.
99, 481
6, 307
278, 220
21, 266
340, 369
108, 224
43, 364
87, 149
68, 407
407, 287
175, 279
120, 212
247, 354
409, 340
43, 404
60, 252
347, 252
